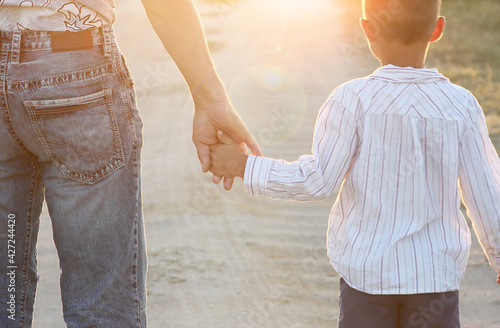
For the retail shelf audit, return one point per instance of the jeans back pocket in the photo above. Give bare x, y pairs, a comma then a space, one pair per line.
80, 134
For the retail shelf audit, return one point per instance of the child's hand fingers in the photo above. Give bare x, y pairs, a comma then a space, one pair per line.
228, 183
216, 179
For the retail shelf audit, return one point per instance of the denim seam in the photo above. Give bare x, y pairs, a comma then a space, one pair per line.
38, 48
126, 98
63, 78
136, 232
16, 47
48, 47
5, 106
107, 42
24, 279
126, 84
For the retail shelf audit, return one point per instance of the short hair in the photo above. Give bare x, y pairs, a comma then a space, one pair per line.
407, 21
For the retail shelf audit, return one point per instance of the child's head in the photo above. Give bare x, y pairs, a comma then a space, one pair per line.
405, 21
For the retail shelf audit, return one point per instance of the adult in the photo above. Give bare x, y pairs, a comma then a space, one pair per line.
71, 134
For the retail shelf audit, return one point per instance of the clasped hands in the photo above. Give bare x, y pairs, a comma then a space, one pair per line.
222, 153
228, 158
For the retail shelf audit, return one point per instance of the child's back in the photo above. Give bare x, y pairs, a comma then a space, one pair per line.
397, 227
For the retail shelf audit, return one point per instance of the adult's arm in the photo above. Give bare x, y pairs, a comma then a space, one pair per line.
179, 28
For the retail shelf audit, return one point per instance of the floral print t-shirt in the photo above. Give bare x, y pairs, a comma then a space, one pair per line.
55, 15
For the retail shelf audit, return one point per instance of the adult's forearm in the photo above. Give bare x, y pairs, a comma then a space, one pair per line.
179, 28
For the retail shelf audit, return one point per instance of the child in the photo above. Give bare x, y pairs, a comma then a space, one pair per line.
404, 144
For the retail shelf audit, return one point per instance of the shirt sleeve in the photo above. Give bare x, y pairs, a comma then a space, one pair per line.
479, 178
312, 177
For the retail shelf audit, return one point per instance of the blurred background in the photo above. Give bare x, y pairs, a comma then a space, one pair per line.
219, 259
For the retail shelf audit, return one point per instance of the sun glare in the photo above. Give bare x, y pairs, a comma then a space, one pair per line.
299, 7
277, 49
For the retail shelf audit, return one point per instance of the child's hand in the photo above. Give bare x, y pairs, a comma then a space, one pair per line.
498, 279
229, 158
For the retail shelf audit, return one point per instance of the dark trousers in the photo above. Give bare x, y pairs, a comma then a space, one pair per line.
361, 310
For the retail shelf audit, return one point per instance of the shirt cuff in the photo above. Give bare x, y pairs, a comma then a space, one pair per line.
256, 175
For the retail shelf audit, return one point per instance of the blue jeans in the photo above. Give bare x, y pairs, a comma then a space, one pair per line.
433, 310
70, 132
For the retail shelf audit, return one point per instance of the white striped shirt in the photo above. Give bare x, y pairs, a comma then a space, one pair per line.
404, 144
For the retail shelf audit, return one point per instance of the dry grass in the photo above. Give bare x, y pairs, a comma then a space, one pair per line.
468, 54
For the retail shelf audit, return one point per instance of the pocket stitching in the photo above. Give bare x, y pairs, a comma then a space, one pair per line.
117, 159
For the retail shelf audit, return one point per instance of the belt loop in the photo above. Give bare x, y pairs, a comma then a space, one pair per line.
16, 47
108, 41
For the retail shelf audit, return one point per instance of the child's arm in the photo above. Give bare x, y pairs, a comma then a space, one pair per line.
312, 177
479, 177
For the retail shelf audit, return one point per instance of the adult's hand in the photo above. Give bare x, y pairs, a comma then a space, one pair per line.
207, 122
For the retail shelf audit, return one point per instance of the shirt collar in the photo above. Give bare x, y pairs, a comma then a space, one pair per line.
397, 74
